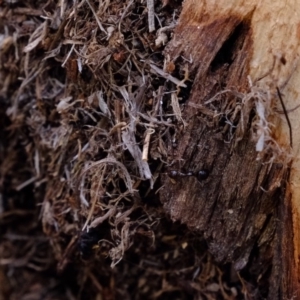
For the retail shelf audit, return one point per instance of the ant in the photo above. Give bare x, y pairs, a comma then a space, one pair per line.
83, 242
200, 175
86, 241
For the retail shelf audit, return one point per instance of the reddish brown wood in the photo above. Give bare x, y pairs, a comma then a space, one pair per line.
240, 206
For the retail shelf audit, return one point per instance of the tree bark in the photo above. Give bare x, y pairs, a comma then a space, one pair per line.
242, 57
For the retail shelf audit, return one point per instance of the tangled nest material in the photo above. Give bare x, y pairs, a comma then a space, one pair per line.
87, 104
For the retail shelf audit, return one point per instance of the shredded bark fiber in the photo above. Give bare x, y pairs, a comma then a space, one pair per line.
90, 105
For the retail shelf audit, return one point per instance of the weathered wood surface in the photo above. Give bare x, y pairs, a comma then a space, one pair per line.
246, 208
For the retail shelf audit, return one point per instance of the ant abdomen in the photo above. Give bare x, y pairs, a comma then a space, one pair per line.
202, 174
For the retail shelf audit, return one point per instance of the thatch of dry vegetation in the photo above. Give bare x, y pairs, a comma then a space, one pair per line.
90, 107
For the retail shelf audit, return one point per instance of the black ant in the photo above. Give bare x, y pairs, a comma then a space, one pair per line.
200, 175
86, 241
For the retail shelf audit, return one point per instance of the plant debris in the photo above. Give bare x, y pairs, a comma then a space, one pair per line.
87, 103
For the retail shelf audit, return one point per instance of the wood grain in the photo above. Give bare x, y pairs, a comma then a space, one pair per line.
246, 209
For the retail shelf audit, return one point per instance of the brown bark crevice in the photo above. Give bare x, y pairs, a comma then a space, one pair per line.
284, 266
